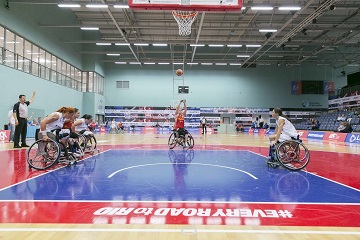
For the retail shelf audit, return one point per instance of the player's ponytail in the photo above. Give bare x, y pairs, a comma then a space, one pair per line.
279, 111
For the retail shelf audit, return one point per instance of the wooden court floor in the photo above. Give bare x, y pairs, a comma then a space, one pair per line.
11, 229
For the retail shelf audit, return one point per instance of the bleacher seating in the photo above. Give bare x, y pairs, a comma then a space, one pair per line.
328, 122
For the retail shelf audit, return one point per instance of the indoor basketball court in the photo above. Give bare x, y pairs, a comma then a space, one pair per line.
220, 185
141, 184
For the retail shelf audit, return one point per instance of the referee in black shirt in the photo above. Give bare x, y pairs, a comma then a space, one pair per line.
20, 111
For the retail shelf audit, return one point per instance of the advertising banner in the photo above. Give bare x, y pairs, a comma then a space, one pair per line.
316, 135
5, 135
352, 138
302, 133
296, 87
335, 136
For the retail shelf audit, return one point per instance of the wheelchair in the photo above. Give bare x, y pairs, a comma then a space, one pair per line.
43, 154
291, 154
87, 143
179, 139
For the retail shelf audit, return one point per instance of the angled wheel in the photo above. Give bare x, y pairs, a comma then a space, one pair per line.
190, 141
43, 154
172, 140
293, 155
90, 144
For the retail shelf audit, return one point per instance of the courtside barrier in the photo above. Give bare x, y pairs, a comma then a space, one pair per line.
352, 138
335, 136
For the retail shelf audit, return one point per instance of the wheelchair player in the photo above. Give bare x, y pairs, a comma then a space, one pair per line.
284, 131
53, 141
55, 121
82, 135
180, 115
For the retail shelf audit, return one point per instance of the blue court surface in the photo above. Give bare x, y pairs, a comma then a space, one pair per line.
180, 175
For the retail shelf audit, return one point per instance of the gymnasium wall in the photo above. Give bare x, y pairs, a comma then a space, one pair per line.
49, 96
264, 86
25, 20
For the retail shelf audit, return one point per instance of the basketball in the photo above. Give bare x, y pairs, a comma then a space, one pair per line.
179, 72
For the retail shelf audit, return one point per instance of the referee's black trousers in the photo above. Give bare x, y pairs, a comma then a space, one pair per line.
21, 129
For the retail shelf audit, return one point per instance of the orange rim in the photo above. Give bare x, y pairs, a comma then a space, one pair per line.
191, 15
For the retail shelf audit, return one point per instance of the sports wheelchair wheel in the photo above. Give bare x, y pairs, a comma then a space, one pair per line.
190, 141
172, 140
293, 155
88, 143
43, 154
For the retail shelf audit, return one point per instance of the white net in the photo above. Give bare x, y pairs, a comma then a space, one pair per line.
184, 20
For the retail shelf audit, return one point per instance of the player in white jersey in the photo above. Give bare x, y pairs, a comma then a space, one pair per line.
81, 125
284, 131
54, 121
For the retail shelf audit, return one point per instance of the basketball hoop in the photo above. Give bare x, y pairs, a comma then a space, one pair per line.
184, 20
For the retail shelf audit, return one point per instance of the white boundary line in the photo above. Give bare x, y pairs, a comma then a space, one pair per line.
179, 230
358, 190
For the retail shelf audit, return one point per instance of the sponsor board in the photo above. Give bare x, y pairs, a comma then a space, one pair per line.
353, 138
316, 135
303, 133
270, 131
5, 135
262, 131
334, 136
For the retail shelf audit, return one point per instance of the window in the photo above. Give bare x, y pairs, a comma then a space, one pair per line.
19, 51
122, 84
20, 54
2, 36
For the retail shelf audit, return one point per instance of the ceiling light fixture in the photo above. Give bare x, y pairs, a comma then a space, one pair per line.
122, 44
149, 63
267, 30
113, 54
89, 28
264, 8
243, 56
234, 45
141, 44
159, 44
221, 64
206, 64
135, 63
121, 6
253, 45
120, 62
69, 5
216, 45
96, 6
178, 63
197, 45
103, 44
163, 63
235, 64
192, 63
289, 8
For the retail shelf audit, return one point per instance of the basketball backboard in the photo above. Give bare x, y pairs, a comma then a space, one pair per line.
188, 5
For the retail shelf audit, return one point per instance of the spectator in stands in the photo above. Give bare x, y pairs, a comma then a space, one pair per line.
261, 124
341, 118
315, 125
266, 126
341, 127
347, 128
